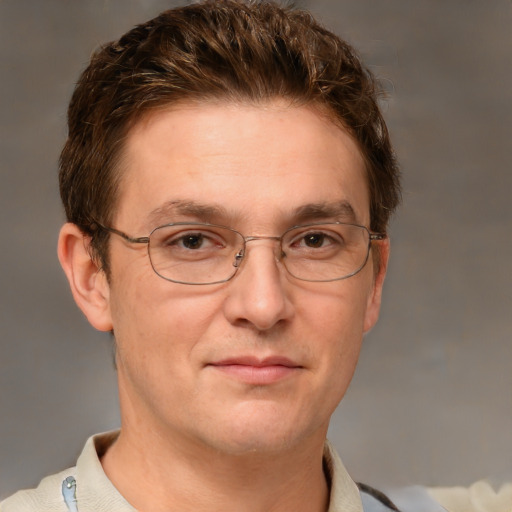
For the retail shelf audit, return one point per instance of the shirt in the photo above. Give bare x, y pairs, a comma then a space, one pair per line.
96, 493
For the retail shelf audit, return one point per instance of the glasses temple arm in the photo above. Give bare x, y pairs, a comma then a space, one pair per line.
140, 240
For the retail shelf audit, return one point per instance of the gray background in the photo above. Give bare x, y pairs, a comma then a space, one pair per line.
431, 401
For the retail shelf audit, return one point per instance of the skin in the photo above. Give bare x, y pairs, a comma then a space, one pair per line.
189, 421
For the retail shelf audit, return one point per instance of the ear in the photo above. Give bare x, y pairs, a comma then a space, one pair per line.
375, 296
88, 282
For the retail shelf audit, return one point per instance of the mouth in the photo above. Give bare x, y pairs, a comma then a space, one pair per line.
255, 371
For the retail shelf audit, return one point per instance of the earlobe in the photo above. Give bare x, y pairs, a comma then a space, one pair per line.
375, 296
88, 282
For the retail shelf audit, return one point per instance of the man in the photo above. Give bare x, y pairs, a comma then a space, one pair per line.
228, 181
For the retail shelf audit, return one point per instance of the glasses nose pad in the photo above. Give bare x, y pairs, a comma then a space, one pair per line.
238, 258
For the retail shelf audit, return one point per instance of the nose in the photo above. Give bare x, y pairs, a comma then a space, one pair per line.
259, 295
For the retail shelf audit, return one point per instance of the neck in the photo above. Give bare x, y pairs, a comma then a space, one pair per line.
161, 474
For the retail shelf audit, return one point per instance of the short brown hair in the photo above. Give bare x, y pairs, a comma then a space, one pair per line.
235, 50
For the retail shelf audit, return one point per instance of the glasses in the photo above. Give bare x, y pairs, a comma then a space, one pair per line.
195, 253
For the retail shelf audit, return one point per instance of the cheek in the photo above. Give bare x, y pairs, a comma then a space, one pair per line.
338, 309
159, 339
336, 323
154, 316
342, 335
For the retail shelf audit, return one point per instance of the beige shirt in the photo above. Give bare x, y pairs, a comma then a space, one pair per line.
96, 493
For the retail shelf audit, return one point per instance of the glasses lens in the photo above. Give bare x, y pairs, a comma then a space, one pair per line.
194, 253
325, 252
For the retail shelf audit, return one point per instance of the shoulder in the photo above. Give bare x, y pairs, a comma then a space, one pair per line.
58, 493
46, 497
479, 496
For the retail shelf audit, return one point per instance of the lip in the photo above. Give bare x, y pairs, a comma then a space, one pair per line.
256, 371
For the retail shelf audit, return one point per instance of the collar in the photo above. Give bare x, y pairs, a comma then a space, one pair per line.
95, 492
345, 495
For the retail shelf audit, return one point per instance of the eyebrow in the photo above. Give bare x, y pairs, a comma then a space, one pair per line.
340, 211
203, 212
310, 212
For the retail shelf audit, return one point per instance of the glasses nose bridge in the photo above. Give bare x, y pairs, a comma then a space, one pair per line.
263, 237
240, 256
255, 238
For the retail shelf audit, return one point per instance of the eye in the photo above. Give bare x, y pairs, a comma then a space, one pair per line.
316, 240
195, 241
192, 241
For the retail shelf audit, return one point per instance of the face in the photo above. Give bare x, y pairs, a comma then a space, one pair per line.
259, 362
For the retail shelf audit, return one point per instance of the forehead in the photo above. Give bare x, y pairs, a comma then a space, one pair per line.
240, 163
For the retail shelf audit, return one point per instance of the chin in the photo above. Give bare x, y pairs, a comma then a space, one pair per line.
260, 434
255, 445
